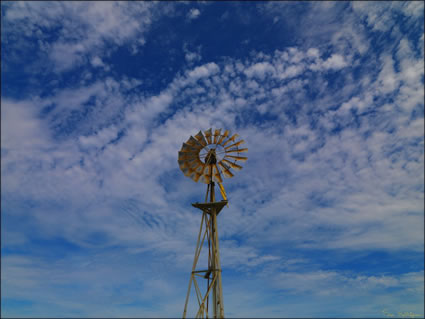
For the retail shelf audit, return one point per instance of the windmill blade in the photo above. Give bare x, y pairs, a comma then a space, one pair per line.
234, 145
232, 139
194, 143
238, 150
200, 168
206, 175
188, 149
207, 170
238, 158
205, 179
217, 133
192, 172
195, 176
194, 165
182, 165
223, 165
201, 139
190, 163
208, 135
216, 174
187, 171
197, 167
225, 170
187, 155
235, 166
222, 137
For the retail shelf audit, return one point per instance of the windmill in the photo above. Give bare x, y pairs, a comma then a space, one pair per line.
207, 157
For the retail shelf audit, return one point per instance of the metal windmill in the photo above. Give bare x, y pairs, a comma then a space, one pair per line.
207, 157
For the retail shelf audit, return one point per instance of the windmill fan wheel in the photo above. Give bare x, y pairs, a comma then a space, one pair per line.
208, 156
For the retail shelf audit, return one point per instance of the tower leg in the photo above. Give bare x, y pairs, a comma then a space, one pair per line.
218, 288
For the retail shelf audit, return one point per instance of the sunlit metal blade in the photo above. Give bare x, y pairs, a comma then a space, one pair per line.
182, 165
225, 170
206, 176
187, 155
240, 150
187, 171
234, 145
193, 171
194, 143
238, 158
207, 170
217, 133
223, 165
187, 148
235, 166
208, 135
216, 174
222, 137
192, 163
232, 139
205, 179
201, 139
200, 169
195, 176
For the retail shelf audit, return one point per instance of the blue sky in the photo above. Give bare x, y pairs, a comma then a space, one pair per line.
326, 219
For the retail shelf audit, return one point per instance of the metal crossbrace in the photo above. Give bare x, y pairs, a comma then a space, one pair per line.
205, 297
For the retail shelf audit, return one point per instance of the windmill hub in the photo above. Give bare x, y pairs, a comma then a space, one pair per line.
211, 157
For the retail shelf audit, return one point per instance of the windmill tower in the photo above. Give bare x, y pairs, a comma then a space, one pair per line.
207, 157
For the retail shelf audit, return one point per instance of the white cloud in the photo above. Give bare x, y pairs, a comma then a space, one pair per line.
99, 139
339, 284
97, 62
335, 62
378, 15
192, 56
85, 27
21, 128
259, 70
381, 16
203, 71
193, 14
313, 52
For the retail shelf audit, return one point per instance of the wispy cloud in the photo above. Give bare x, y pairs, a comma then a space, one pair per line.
80, 30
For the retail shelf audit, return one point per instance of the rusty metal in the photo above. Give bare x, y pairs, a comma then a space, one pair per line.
235, 166
233, 145
238, 158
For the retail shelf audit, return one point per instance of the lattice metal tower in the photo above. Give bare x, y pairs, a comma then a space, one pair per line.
206, 157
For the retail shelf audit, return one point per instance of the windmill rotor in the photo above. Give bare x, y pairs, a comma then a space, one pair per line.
211, 155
